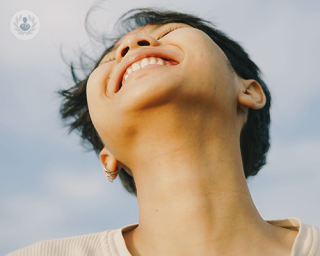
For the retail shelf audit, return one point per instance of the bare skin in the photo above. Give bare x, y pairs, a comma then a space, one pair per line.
176, 129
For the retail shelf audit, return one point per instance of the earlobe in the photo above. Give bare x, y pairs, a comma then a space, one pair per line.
109, 163
107, 158
112, 164
252, 96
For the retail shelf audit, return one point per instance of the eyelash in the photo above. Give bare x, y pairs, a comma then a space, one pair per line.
167, 32
161, 36
108, 60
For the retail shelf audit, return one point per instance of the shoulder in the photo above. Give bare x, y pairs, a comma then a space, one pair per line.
307, 241
91, 244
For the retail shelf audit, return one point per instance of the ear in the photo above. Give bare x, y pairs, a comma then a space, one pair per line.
251, 95
112, 163
107, 158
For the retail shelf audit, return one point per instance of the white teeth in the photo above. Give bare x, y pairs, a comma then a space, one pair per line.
160, 62
144, 62
135, 66
129, 70
152, 60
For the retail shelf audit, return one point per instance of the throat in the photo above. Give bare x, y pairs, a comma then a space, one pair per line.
187, 214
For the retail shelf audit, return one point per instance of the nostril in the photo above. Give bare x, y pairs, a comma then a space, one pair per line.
124, 51
143, 43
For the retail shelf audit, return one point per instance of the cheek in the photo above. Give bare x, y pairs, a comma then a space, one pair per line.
204, 63
97, 85
96, 96
99, 112
206, 69
93, 95
98, 80
102, 108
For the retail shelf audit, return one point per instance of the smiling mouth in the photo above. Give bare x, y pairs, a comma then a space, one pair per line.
144, 63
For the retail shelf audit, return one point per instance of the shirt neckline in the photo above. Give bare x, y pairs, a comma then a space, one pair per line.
120, 249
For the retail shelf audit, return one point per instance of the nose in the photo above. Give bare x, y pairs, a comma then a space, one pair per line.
132, 42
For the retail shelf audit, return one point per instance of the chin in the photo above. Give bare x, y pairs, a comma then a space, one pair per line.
147, 93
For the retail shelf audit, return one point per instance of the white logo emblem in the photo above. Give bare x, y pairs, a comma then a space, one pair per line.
25, 25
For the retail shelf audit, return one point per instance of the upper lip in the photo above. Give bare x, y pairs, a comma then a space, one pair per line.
145, 53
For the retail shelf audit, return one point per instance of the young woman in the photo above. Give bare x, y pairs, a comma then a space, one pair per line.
180, 113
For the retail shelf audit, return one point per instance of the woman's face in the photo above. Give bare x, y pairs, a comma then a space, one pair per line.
150, 70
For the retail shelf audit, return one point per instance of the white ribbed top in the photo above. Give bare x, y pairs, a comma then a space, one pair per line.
111, 242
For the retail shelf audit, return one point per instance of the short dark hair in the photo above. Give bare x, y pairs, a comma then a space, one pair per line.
254, 138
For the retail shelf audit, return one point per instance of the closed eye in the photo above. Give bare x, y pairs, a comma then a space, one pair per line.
108, 60
164, 33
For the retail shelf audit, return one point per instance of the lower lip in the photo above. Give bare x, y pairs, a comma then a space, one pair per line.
149, 66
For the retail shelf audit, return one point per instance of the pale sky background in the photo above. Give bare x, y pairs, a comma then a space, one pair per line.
50, 187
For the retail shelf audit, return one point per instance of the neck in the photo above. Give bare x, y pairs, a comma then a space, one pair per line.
193, 198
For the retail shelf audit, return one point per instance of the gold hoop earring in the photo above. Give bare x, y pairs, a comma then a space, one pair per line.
110, 175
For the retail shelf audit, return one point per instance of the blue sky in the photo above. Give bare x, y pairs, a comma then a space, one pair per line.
51, 187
